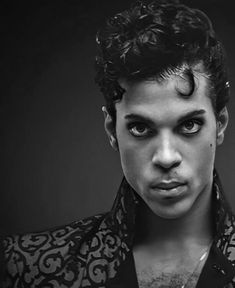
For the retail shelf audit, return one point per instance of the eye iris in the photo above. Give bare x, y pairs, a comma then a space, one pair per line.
140, 128
189, 125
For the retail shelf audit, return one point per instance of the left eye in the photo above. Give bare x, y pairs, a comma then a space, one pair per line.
191, 126
139, 129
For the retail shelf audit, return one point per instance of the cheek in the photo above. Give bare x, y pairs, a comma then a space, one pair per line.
129, 151
207, 147
134, 160
202, 159
130, 158
202, 148
205, 157
134, 166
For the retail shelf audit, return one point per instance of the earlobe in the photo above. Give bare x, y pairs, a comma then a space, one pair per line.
110, 128
222, 122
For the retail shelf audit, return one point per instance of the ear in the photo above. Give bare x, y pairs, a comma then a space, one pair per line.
222, 122
110, 129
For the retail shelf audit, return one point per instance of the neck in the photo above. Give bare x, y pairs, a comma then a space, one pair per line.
193, 228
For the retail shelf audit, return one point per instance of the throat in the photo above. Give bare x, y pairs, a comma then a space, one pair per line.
191, 228
172, 252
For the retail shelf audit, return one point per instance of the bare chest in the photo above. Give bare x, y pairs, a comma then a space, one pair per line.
152, 273
157, 279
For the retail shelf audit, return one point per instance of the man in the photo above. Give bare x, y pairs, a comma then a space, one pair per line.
162, 72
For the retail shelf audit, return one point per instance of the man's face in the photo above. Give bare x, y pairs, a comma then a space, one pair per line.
167, 143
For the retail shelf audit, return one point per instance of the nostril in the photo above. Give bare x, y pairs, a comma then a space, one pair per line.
165, 168
167, 163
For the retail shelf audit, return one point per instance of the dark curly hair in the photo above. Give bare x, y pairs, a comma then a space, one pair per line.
154, 40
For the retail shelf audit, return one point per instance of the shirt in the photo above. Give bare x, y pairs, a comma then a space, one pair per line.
97, 251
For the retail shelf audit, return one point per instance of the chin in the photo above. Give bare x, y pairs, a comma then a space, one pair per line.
170, 215
175, 211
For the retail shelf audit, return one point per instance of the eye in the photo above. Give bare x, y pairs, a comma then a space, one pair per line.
139, 129
191, 126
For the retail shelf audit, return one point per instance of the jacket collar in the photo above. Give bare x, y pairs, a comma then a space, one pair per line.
224, 221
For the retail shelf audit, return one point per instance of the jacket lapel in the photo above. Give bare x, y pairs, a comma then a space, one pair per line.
217, 271
126, 275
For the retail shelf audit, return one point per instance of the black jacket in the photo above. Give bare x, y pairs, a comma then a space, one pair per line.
97, 251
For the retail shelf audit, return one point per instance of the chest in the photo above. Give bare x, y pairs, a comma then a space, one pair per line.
152, 273
160, 279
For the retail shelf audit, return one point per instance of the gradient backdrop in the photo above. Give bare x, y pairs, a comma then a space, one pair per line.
56, 163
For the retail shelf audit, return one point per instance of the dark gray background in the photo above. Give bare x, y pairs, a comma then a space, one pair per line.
56, 163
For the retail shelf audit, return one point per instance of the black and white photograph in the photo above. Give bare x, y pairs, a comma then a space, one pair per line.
117, 144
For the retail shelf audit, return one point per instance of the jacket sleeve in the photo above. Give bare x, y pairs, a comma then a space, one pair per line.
11, 274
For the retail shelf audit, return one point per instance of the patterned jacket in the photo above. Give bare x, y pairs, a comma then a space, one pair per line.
97, 251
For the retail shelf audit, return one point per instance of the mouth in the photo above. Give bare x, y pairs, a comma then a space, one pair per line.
168, 185
169, 189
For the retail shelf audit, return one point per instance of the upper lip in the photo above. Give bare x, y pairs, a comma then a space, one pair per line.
167, 184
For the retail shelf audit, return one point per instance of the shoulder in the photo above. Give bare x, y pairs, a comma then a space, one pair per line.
61, 236
30, 256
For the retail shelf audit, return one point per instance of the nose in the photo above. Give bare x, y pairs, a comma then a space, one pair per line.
166, 153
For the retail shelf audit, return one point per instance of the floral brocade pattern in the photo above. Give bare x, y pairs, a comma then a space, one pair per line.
53, 259
47, 259
83, 254
89, 252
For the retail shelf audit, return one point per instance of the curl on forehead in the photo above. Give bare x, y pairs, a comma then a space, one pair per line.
186, 79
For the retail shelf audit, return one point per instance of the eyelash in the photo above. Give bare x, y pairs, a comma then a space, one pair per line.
133, 125
150, 131
196, 121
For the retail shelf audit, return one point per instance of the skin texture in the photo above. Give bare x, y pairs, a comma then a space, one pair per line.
169, 272
166, 281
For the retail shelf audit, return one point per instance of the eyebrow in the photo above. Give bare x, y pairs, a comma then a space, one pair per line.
191, 115
188, 115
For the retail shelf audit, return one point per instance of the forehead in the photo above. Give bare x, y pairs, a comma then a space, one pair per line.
165, 98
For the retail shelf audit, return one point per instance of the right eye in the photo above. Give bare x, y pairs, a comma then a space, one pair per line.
139, 129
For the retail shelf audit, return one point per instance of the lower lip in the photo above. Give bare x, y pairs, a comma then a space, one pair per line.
169, 194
